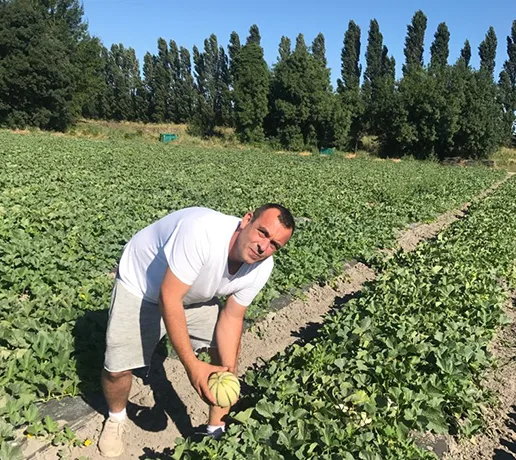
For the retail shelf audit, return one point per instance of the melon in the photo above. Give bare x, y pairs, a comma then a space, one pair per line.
225, 387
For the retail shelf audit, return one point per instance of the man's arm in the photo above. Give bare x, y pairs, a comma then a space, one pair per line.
171, 304
229, 332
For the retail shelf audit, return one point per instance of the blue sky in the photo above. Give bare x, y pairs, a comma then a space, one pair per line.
139, 23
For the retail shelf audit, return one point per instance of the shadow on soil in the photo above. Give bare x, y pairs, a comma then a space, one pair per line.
310, 330
510, 445
167, 402
89, 334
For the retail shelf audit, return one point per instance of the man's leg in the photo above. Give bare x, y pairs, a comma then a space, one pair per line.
116, 386
133, 332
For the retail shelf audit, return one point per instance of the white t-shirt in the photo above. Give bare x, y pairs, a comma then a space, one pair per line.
194, 243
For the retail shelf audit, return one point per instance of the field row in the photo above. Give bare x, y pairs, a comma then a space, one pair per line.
67, 207
406, 355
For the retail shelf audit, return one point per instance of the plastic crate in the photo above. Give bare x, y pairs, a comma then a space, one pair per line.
167, 137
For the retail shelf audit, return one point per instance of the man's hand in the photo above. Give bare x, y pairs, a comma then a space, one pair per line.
172, 310
199, 373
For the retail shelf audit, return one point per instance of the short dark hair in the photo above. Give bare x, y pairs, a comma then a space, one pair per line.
285, 217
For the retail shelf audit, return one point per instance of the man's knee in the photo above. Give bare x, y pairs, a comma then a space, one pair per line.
116, 376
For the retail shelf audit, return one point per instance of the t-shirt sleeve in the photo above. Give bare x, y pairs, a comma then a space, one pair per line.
186, 251
246, 295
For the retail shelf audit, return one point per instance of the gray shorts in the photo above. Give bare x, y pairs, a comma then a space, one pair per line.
135, 327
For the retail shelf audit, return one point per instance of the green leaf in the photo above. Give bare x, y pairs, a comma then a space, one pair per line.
244, 416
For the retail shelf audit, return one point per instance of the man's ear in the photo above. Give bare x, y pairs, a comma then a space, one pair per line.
246, 219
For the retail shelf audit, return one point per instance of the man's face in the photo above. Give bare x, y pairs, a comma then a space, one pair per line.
261, 238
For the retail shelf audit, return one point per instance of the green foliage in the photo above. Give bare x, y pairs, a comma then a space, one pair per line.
408, 354
222, 102
161, 84
373, 71
378, 83
349, 86
426, 110
350, 56
319, 49
414, 43
284, 49
507, 89
465, 53
439, 51
304, 112
233, 48
70, 205
480, 126
185, 88
213, 104
122, 85
251, 88
487, 52
90, 77
36, 75
441, 112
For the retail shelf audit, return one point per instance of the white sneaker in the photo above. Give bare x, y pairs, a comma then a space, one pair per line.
111, 442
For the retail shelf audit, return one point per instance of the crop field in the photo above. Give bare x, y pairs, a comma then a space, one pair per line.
405, 355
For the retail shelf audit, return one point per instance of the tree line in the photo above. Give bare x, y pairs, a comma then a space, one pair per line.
52, 72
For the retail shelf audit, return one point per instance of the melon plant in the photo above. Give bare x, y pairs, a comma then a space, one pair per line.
68, 206
407, 355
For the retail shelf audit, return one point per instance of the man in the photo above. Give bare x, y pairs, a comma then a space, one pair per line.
169, 277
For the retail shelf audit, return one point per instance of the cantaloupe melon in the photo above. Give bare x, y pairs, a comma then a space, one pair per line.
225, 387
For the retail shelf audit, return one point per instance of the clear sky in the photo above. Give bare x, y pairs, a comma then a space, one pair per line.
139, 23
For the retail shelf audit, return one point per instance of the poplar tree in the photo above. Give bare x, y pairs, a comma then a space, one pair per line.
205, 67
284, 49
254, 35
350, 58
304, 111
203, 120
375, 66
161, 83
319, 49
149, 84
90, 82
126, 82
349, 86
173, 91
222, 100
186, 93
251, 88
465, 53
373, 56
388, 65
439, 50
480, 122
487, 52
507, 89
233, 49
414, 43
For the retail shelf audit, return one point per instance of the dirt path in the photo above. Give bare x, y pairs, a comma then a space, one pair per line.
163, 405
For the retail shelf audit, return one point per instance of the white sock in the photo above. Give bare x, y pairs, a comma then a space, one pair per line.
212, 428
118, 416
